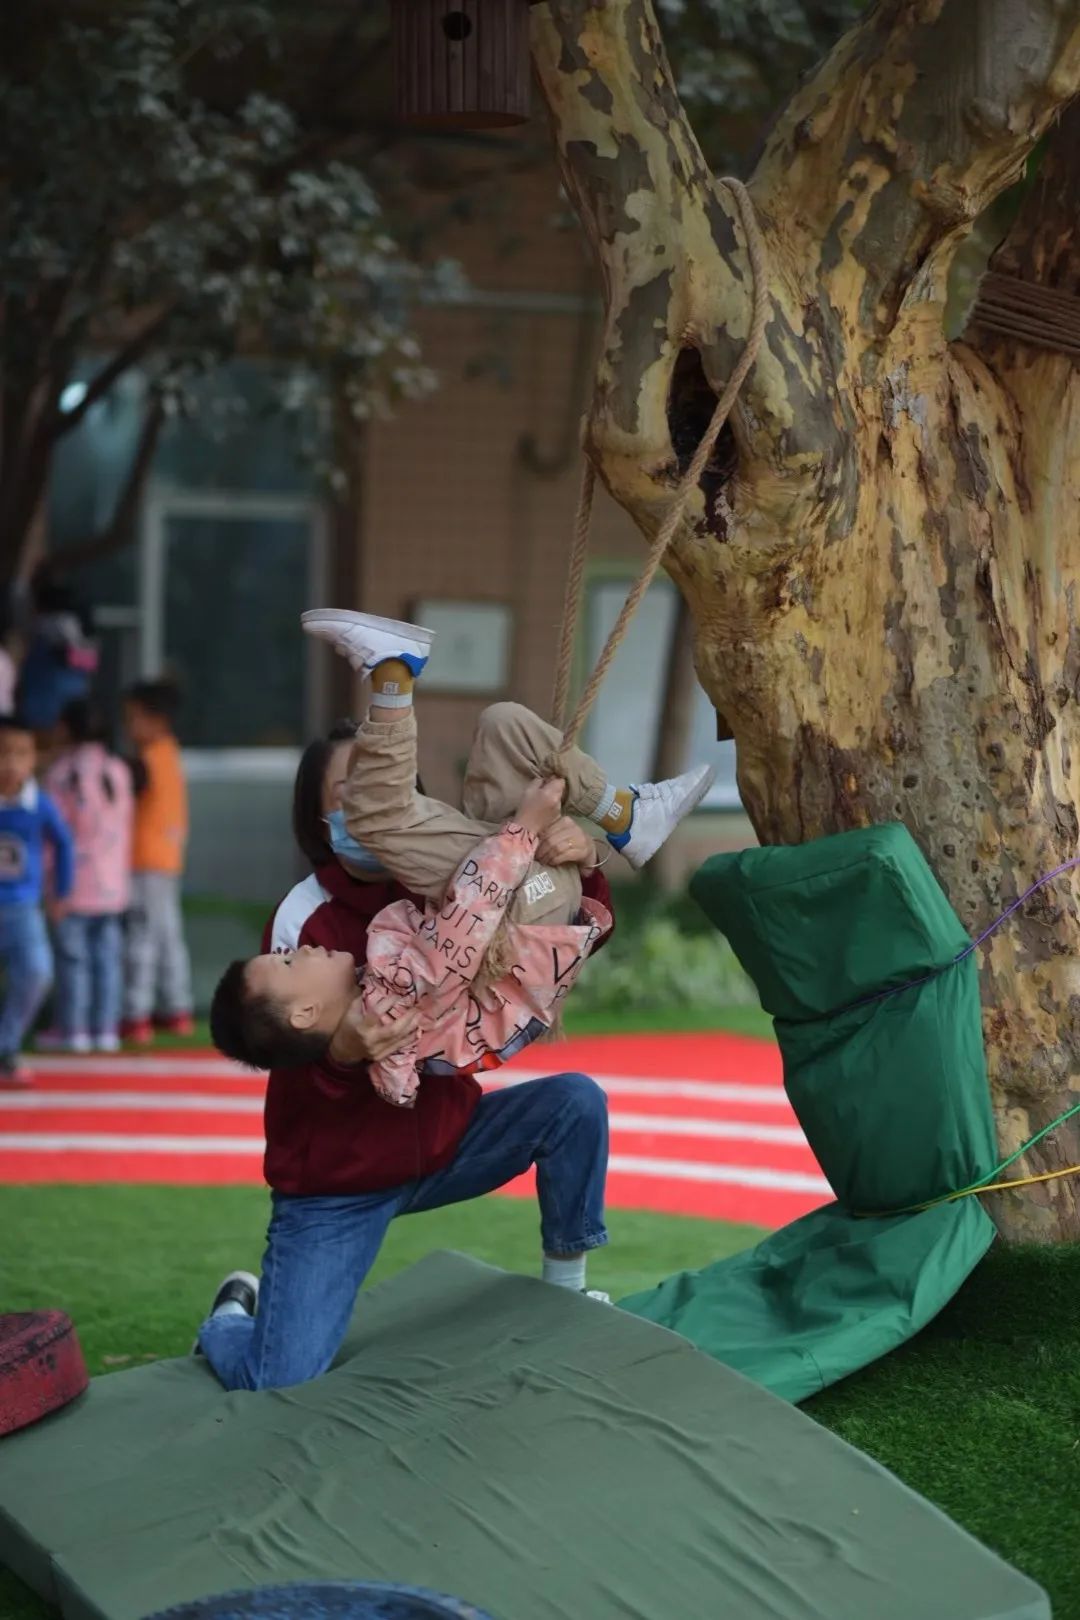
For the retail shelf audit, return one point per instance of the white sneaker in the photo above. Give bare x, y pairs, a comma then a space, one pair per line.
658, 809
107, 1043
365, 640
598, 1294
50, 1040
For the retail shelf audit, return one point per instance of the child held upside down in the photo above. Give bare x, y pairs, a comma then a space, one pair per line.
488, 961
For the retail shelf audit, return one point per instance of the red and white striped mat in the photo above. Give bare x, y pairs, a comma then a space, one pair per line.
700, 1124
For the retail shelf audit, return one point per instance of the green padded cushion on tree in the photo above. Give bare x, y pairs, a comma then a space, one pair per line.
892, 1095
818, 925
823, 1297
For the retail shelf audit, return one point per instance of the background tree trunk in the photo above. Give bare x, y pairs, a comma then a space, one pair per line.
883, 564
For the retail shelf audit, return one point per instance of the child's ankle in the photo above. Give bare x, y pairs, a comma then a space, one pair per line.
392, 685
615, 812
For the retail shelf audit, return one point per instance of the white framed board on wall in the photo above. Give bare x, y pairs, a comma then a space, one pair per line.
471, 654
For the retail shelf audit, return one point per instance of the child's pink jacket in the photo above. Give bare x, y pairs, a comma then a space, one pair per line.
428, 960
92, 790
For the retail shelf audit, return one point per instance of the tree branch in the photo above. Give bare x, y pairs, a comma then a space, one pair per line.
24, 474
121, 529
128, 355
916, 121
676, 278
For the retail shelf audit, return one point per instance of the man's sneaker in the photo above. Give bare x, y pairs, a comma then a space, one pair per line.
239, 1288
658, 809
106, 1043
366, 640
13, 1077
137, 1032
598, 1294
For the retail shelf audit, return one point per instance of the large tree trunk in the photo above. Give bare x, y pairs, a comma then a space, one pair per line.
883, 564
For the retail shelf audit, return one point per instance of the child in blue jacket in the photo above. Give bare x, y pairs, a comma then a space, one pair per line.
28, 821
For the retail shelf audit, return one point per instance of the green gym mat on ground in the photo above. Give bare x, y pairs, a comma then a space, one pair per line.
532, 1451
861, 961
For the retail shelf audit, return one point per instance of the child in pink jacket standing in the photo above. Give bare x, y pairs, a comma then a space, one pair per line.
93, 790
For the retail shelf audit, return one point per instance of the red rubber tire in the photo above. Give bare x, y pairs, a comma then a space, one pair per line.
41, 1367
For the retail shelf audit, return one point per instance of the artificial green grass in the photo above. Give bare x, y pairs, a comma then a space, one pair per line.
981, 1413
134, 1267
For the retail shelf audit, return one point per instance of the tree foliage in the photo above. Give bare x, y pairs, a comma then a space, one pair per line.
183, 182
159, 225
736, 61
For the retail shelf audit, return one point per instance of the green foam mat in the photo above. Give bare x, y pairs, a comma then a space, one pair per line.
526, 1449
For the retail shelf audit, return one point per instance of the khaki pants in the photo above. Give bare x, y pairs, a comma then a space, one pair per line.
422, 842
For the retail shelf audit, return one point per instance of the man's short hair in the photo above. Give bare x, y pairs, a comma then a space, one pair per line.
255, 1029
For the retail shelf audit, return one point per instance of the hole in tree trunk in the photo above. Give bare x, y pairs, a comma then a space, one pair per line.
457, 25
691, 403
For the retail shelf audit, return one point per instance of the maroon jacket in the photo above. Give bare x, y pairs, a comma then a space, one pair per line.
327, 1131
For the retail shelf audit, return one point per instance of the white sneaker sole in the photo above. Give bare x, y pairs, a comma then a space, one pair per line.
365, 638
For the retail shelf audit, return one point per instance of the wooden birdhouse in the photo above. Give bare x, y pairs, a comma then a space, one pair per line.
461, 64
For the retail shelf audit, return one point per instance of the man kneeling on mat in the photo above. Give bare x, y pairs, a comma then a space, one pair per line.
525, 930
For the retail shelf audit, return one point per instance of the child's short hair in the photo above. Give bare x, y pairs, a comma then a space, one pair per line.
160, 698
85, 722
255, 1030
16, 723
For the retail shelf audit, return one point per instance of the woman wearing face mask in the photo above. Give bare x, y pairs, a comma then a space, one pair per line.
335, 904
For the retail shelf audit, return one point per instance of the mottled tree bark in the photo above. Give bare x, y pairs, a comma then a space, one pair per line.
883, 563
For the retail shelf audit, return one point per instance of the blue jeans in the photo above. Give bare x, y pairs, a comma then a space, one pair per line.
319, 1250
89, 975
27, 964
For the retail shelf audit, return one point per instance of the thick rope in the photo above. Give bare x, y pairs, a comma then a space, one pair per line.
1045, 317
690, 480
575, 582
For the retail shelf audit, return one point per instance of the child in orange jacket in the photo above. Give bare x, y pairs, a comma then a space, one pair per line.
158, 965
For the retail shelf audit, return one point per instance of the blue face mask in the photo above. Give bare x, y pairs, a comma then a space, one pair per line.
346, 848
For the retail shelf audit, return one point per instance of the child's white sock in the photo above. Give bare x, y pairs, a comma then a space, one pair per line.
565, 1273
